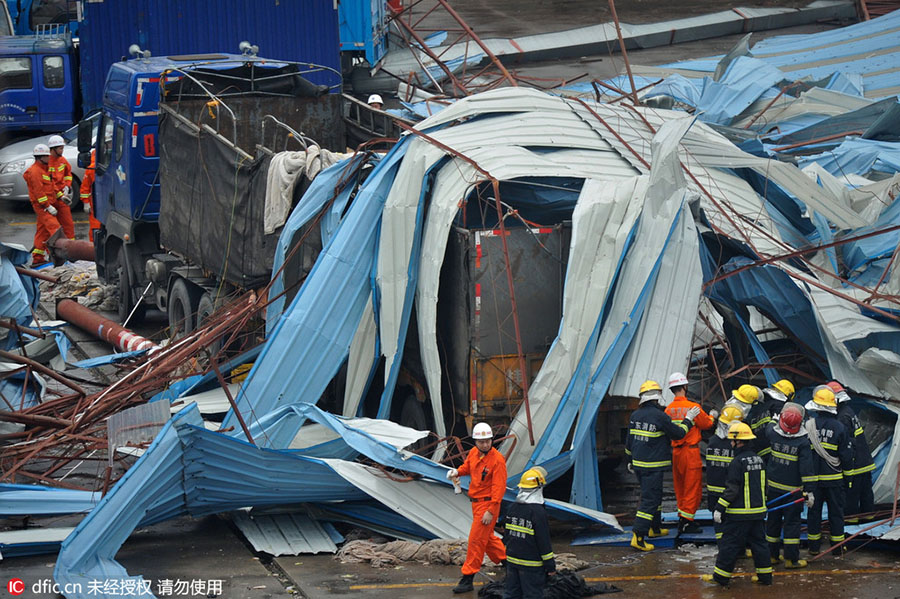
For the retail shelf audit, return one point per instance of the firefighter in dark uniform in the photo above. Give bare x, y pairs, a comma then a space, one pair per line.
648, 449
788, 469
859, 496
832, 456
741, 510
529, 555
719, 454
777, 396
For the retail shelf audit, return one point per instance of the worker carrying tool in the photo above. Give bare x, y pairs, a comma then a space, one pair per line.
777, 396
741, 510
859, 497
487, 469
87, 194
42, 194
529, 554
831, 458
687, 467
649, 454
61, 174
789, 469
719, 454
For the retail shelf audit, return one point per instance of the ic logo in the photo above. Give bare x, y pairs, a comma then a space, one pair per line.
15, 586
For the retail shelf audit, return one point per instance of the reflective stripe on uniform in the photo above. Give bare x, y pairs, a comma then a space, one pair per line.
792, 541
522, 529
524, 562
718, 536
837, 539
781, 487
862, 470
746, 510
858, 432
784, 456
688, 515
547, 556
644, 515
766, 570
722, 572
641, 464
720, 458
835, 476
830, 446
772, 540
813, 537
809, 479
714, 489
45, 177
640, 433
42, 199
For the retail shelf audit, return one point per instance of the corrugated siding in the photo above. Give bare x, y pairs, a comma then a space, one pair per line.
298, 30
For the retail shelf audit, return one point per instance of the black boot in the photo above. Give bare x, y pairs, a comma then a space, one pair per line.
465, 584
690, 528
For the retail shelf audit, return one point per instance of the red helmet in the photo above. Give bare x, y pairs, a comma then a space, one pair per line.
835, 386
790, 421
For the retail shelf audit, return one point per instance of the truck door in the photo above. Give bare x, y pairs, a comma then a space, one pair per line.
57, 102
110, 189
19, 98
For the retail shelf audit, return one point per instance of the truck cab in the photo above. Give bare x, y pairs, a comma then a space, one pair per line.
38, 83
150, 243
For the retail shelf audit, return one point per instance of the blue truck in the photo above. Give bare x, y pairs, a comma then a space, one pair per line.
38, 84
182, 153
30, 16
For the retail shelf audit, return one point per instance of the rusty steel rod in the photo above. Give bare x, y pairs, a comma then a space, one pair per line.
102, 328
237, 413
12, 325
42, 369
34, 274
20, 418
612, 9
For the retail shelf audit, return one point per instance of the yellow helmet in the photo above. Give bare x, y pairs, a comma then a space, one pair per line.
533, 478
649, 386
824, 396
731, 414
786, 387
747, 393
740, 432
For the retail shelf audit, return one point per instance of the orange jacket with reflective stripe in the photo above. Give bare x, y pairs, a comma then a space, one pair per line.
61, 172
89, 174
41, 191
676, 411
488, 475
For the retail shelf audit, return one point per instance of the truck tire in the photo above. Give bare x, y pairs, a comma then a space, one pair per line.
183, 304
127, 295
205, 309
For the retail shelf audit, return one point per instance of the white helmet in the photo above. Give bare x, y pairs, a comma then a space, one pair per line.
677, 379
374, 98
482, 430
55, 141
41, 150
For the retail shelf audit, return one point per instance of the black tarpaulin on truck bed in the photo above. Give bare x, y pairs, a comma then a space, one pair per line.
249, 77
211, 204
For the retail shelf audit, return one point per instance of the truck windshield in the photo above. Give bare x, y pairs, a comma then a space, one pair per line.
15, 72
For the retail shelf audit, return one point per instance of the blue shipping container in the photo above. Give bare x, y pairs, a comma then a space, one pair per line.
297, 30
363, 28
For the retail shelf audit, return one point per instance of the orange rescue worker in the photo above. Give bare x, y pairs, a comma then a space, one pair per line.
41, 193
487, 468
687, 467
87, 193
61, 173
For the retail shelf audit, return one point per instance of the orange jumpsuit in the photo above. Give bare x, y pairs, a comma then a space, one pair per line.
87, 194
485, 492
61, 173
42, 194
687, 467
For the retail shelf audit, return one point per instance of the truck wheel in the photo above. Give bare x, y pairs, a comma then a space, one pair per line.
205, 309
182, 309
127, 294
